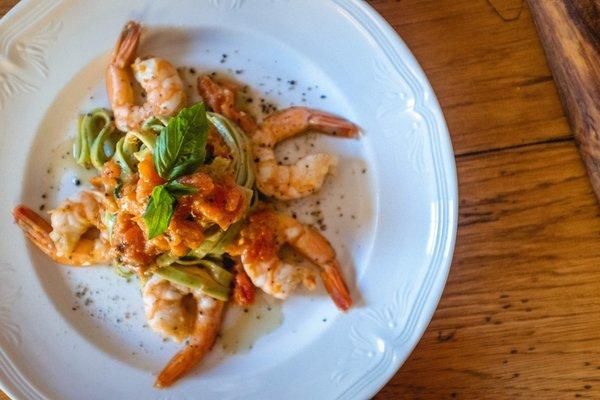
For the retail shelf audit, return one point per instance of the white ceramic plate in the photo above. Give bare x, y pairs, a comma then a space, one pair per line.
390, 211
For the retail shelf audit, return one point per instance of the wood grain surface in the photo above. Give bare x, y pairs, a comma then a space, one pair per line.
518, 318
570, 34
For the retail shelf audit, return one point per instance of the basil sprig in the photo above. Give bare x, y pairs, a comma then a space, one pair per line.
161, 206
159, 211
180, 150
181, 145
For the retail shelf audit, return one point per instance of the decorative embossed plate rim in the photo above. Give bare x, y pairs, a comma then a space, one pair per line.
360, 351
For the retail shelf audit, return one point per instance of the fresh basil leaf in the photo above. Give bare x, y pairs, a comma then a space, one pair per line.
179, 189
161, 206
159, 211
181, 145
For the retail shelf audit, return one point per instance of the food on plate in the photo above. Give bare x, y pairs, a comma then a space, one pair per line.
176, 201
306, 176
159, 79
260, 241
168, 313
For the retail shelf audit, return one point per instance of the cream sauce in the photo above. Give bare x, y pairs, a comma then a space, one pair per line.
243, 326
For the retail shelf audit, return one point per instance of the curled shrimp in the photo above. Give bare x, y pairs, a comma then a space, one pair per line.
164, 89
221, 99
178, 312
284, 182
307, 175
260, 241
68, 239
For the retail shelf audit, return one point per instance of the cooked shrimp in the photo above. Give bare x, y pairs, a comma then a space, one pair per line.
284, 182
307, 175
73, 218
129, 247
68, 239
164, 89
180, 313
260, 242
221, 99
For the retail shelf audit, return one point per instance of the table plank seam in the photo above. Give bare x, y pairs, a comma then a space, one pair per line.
558, 139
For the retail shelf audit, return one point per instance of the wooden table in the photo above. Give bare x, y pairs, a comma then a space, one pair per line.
518, 318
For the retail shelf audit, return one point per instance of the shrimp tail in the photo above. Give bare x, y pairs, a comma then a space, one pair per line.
34, 226
332, 125
180, 364
126, 46
37, 230
335, 285
203, 339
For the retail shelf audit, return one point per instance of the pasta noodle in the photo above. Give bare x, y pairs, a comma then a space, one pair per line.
96, 139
